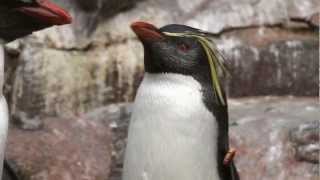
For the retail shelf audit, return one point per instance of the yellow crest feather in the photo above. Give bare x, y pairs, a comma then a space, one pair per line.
215, 60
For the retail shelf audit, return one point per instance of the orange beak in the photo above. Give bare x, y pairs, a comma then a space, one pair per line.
47, 12
146, 31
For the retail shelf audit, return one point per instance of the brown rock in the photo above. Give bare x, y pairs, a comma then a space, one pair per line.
261, 135
64, 149
263, 130
118, 120
306, 140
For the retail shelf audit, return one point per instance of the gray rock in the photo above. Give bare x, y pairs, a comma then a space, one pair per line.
59, 83
306, 140
21, 120
93, 12
264, 133
117, 117
306, 133
280, 68
64, 149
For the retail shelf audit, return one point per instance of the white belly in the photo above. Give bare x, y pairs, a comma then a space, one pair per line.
3, 112
172, 136
3, 128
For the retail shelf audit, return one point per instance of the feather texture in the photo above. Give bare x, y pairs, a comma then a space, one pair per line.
215, 59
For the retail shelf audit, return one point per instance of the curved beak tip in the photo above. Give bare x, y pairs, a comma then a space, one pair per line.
65, 19
141, 24
59, 15
47, 12
146, 31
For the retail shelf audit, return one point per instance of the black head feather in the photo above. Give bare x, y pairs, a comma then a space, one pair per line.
181, 49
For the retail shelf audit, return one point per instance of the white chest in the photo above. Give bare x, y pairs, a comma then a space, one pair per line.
3, 112
3, 124
1, 67
172, 136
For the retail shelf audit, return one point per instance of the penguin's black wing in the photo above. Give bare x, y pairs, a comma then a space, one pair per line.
234, 172
228, 172
9, 172
220, 112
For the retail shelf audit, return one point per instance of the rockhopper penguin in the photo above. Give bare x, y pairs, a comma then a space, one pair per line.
179, 126
19, 18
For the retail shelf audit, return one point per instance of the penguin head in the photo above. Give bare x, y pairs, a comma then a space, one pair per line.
183, 50
165, 53
26, 16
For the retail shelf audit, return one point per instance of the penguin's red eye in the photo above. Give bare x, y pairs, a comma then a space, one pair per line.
184, 47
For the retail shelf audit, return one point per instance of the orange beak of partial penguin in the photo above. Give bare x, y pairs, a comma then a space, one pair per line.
47, 12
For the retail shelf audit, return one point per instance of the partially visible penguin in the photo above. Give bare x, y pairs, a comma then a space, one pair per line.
179, 126
19, 18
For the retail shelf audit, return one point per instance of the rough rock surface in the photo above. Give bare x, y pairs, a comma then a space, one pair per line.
266, 133
306, 139
282, 68
118, 120
66, 83
270, 44
276, 138
64, 149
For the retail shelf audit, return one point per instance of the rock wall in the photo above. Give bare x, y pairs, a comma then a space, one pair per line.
271, 45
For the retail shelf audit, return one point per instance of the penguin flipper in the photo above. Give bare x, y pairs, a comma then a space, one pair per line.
229, 156
8, 172
228, 161
234, 172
